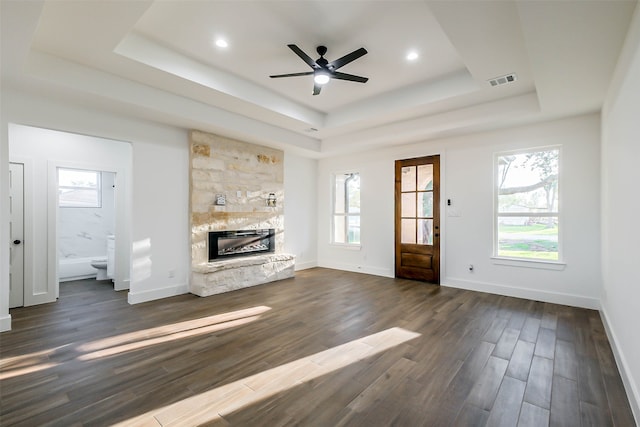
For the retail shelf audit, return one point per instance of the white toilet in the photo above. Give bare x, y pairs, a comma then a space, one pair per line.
100, 264
105, 265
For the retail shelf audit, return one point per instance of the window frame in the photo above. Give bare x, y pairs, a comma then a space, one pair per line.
97, 189
346, 215
521, 261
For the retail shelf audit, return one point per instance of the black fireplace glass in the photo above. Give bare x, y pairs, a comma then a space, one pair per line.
235, 243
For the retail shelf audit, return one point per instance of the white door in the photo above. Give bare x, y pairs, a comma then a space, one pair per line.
16, 224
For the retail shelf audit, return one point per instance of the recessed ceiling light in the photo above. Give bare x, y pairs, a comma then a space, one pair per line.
222, 43
412, 56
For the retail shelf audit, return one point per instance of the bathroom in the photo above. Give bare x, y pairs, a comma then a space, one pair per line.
86, 225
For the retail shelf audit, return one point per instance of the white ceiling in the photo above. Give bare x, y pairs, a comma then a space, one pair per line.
157, 60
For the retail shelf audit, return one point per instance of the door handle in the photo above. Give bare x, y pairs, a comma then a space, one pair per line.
16, 242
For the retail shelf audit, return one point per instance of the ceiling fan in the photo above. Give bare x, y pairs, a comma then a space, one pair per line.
324, 70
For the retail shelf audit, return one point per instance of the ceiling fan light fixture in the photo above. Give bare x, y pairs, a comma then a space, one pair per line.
321, 78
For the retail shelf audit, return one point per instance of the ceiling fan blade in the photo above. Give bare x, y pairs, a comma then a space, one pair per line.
340, 62
306, 58
344, 76
306, 73
316, 89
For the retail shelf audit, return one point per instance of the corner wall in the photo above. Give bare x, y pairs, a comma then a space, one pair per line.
467, 237
621, 214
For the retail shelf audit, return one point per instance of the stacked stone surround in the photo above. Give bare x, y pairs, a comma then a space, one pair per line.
237, 273
244, 174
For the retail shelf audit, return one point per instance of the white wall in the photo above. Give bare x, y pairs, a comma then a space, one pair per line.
300, 211
5, 318
161, 248
42, 151
621, 214
466, 179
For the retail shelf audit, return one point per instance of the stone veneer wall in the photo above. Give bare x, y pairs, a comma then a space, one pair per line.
245, 174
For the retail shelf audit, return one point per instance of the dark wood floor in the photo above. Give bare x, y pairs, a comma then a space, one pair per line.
327, 348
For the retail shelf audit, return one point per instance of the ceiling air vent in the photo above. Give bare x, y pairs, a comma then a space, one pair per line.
503, 80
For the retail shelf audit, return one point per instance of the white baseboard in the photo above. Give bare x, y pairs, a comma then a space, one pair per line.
526, 293
305, 265
5, 323
375, 271
623, 367
154, 294
121, 285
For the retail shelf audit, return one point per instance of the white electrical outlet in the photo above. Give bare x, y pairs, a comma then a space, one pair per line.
172, 274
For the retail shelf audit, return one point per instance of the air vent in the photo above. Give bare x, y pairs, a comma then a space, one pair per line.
503, 80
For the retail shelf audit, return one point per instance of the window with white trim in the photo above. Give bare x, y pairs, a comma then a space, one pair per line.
346, 208
527, 212
79, 188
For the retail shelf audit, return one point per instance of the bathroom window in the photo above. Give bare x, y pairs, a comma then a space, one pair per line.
79, 188
346, 209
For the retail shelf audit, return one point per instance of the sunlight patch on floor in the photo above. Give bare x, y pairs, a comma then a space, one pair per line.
147, 337
40, 360
214, 404
27, 363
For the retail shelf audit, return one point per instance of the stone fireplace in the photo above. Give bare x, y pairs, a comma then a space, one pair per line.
236, 193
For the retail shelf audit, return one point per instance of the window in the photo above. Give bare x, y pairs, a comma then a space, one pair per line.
79, 188
346, 208
526, 205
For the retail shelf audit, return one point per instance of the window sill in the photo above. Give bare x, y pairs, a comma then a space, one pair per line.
351, 247
540, 264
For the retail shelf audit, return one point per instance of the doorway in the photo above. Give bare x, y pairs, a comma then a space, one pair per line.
86, 220
16, 235
43, 151
417, 219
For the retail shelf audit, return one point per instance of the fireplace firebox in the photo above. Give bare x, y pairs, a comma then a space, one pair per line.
235, 243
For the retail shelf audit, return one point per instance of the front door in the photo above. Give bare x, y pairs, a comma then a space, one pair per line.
417, 219
16, 226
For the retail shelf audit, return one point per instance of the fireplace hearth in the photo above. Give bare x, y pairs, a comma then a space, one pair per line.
238, 243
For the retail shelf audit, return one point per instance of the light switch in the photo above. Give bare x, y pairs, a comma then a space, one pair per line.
453, 212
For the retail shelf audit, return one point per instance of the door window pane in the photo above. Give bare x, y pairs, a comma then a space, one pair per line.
408, 181
425, 204
409, 205
425, 231
425, 177
408, 233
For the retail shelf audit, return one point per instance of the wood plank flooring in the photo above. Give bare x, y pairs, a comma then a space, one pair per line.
326, 348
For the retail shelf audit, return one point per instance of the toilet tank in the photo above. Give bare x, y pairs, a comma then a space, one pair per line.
111, 256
